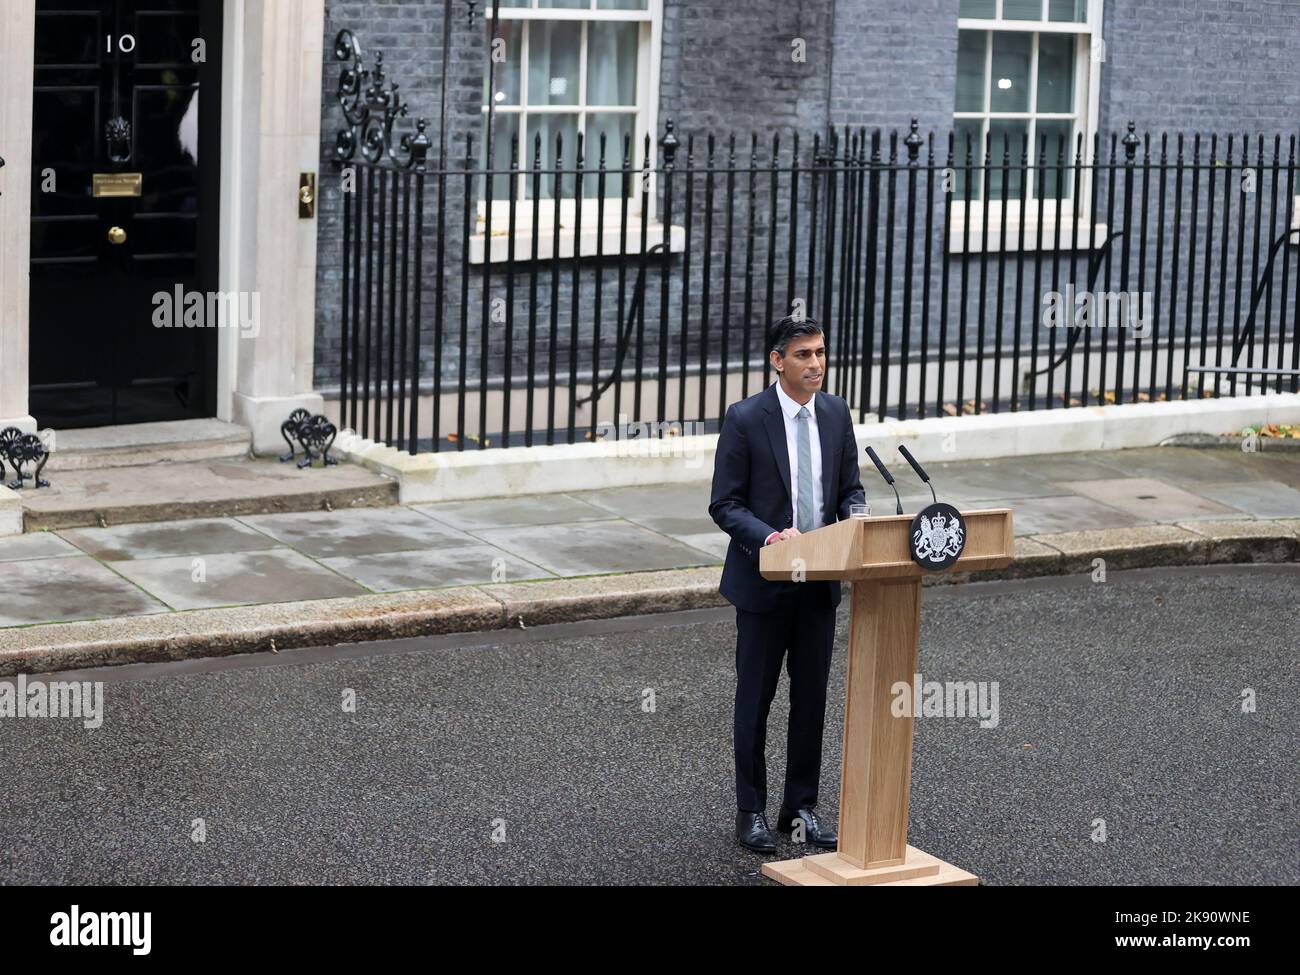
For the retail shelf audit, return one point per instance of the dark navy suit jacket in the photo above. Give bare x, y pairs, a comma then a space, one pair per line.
751, 489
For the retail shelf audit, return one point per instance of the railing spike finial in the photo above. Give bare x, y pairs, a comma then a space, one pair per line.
419, 146
913, 142
669, 143
1131, 142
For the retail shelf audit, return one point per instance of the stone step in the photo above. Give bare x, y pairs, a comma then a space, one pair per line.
197, 489
145, 444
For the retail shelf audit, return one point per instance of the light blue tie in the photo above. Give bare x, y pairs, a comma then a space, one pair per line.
805, 499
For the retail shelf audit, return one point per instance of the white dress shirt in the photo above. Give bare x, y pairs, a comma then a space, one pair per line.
790, 409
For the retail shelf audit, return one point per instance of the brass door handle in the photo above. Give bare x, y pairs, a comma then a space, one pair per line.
116, 235
306, 195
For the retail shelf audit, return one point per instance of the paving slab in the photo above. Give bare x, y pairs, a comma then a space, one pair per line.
1064, 468
1259, 499
980, 480
435, 568
536, 509
1283, 467
1151, 500
1180, 465
1039, 516
673, 509
334, 534
236, 579
676, 523
199, 536
715, 543
67, 588
34, 545
589, 548
878, 493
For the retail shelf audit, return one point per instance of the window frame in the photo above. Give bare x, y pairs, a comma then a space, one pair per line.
646, 111
1087, 90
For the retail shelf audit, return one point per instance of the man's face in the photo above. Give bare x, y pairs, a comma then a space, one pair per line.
803, 367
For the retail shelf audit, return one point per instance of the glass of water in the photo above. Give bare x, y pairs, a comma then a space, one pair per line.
859, 510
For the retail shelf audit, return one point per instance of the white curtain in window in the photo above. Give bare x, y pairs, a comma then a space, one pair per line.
611, 63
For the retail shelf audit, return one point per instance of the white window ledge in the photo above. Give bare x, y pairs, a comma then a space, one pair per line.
612, 242
1079, 234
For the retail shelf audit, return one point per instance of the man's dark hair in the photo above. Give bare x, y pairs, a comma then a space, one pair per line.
783, 332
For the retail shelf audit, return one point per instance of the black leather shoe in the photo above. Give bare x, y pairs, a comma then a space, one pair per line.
753, 833
813, 831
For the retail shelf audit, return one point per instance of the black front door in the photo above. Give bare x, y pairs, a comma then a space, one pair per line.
125, 156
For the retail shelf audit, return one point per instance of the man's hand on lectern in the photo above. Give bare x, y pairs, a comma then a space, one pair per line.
781, 536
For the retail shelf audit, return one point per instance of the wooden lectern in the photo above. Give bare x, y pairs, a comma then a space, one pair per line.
883, 629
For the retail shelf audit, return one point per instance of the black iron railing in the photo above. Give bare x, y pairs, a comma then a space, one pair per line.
576, 289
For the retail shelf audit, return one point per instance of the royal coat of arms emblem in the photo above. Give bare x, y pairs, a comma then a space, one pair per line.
938, 536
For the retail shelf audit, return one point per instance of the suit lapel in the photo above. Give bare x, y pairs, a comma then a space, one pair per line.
774, 421
827, 438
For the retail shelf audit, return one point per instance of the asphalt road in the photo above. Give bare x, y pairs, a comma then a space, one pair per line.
1118, 701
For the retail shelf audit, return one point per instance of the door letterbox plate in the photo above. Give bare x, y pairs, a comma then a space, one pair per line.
115, 184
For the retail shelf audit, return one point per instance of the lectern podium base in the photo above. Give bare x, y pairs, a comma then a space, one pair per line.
884, 632
918, 869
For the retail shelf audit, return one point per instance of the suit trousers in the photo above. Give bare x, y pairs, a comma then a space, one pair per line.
801, 630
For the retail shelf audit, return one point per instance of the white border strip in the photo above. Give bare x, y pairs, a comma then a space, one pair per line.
470, 474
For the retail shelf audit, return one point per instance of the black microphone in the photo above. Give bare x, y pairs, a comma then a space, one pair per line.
907, 456
889, 478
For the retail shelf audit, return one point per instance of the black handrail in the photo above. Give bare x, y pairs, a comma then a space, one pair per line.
1240, 341
1076, 329
635, 311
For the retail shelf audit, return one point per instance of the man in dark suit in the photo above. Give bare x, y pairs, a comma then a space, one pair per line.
786, 464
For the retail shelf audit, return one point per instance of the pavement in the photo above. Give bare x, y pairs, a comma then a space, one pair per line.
600, 752
199, 586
